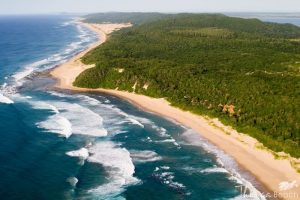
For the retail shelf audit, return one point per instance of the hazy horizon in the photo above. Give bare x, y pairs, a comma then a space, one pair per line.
168, 6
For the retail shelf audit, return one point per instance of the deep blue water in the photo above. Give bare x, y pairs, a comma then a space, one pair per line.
62, 145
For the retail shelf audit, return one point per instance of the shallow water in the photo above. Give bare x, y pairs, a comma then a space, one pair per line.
62, 145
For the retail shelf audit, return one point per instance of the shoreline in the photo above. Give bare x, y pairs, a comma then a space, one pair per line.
243, 148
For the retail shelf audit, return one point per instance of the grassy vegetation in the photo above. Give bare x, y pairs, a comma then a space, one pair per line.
243, 71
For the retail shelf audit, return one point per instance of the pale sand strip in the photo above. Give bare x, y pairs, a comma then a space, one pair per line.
261, 163
67, 72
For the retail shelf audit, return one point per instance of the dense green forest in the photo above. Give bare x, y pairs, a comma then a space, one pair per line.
135, 18
243, 71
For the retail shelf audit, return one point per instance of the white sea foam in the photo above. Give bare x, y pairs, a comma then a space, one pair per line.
73, 181
68, 23
4, 84
127, 118
7, 90
165, 167
166, 140
144, 156
225, 161
28, 69
82, 153
192, 170
167, 178
141, 121
117, 163
133, 121
65, 24
57, 124
160, 130
214, 170
58, 94
54, 109
90, 100
114, 158
6, 100
71, 47
171, 140
84, 98
149, 139
83, 120
43, 105
94, 105
37, 66
70, 118
162, 168
83, 34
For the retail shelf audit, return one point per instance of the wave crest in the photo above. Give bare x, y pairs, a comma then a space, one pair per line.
118, 164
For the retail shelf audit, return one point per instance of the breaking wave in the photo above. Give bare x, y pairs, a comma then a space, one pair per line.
168, 178
57, 124
144, 156
82, 153
227, 163
118, 164
6, 100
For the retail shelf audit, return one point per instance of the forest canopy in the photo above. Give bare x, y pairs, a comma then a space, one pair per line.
244, 71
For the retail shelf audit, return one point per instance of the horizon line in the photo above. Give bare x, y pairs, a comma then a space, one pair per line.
163, 12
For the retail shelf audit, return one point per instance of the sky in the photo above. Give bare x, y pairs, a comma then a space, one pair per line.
91, 6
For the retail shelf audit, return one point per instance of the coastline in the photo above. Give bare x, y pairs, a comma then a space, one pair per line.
243, 148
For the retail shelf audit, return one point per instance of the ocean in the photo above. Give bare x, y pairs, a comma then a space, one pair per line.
63, 145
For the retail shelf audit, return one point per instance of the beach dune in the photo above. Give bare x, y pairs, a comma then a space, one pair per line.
278, 175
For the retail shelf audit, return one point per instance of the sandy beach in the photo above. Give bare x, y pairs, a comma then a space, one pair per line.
277, 175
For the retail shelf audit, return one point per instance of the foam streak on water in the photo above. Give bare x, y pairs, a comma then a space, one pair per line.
144, 156
82, 153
